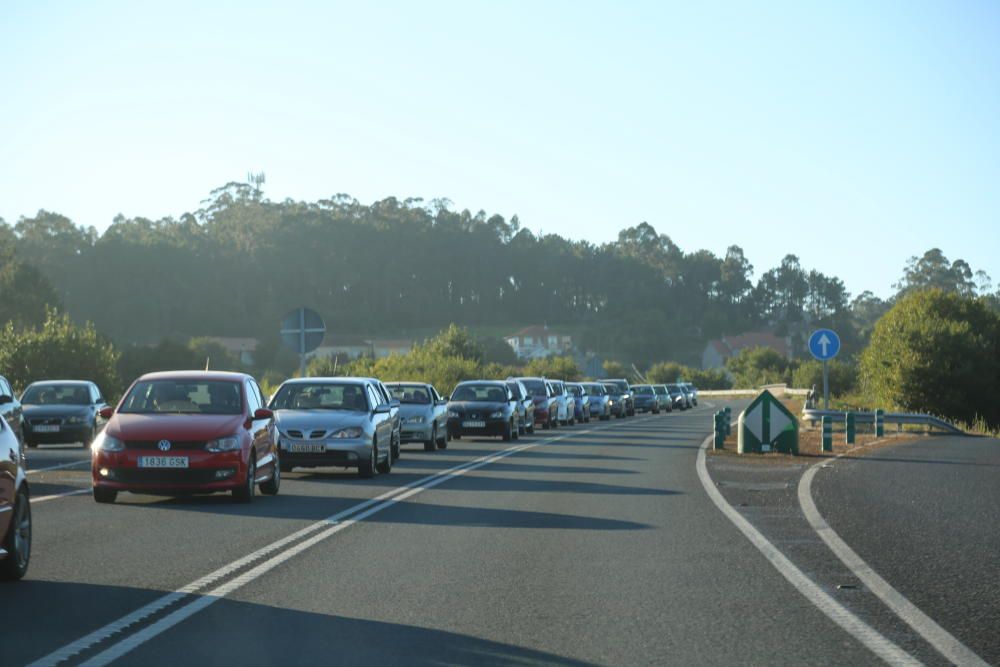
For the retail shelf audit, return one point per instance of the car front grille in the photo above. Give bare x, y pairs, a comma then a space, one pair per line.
312, 435
174, 444
164, 475
46, 421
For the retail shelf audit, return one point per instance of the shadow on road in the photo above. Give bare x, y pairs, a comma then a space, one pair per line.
232, 632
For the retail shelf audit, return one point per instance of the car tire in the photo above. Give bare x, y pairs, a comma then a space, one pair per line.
367, 469
103, 495
385, 467
432, 444
247, 490
508, 431
17, 541
271, 486
531, 426
394, 450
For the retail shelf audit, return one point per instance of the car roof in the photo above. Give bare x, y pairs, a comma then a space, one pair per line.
501, 383
85, 383
342, 380
406, 384
196, 375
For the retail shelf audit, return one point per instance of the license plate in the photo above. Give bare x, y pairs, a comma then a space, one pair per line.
47, 429
163, 462
473, 424
302, 448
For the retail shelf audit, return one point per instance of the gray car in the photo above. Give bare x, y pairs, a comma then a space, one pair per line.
337, 422
600, 401
423, 413
61, 411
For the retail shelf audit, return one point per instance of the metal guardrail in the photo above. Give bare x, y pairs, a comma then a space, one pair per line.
776, 389
863, 417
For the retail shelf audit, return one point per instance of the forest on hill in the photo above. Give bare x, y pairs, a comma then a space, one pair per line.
235, 266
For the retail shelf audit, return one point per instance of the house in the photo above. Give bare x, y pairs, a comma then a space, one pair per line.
240, 348
716, 352
539, 341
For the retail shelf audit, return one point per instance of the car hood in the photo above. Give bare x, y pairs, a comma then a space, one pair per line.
316, 420
413, 409
173, 426
37, 411
476, 406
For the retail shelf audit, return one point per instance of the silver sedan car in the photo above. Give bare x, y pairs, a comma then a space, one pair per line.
423, 413
337, 422
600, 401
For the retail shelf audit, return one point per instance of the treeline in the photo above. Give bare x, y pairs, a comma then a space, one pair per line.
234, 267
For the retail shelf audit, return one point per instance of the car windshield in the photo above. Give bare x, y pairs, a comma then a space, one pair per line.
621, 384
514, 389
534, 387
613, 389
480, 393
557, 388
644, 389
673, 389
660, 390
207, 397
576, 390
56, 394
411, 394
320, 396
596, 389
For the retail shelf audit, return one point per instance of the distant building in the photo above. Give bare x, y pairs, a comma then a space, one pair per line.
352, 348
717, 351
539, 341
240, 348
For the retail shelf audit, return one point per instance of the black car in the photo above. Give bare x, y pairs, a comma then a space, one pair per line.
616, 399
678, 396
10, 409
626, 392
525, 406
60, 411
482, 407
645, 399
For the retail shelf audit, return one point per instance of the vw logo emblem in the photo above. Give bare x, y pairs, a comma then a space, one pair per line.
164, 445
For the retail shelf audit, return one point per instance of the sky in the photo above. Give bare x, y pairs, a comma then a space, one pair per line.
851, 134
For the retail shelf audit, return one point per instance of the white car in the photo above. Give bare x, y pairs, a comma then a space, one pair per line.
566, 413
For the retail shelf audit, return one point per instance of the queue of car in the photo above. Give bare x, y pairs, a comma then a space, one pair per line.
196, 432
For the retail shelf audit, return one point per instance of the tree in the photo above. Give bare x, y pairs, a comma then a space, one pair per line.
614, 369
556, 368
756, 366
933, 270
936, 352
58, 349
843, 376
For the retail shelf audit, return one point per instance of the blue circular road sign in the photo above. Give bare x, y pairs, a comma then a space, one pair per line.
824, 344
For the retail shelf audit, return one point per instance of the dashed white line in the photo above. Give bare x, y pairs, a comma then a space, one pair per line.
42, 499
59, 467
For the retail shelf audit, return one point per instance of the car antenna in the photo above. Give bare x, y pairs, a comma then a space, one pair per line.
207, 360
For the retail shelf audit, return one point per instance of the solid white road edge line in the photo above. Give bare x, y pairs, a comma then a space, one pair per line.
372, 505
59, 467
946, 644
42, 499
836, 612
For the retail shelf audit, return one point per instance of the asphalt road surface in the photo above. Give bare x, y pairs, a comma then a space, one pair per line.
595, 544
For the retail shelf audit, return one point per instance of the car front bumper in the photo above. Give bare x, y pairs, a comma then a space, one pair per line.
493, 427
206, 472
66, 433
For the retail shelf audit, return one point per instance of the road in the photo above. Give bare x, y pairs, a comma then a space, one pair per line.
595, 544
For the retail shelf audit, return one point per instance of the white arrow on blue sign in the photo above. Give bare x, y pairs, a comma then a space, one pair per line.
824, 344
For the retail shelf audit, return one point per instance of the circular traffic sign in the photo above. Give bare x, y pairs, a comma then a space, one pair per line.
302, 330
824, 344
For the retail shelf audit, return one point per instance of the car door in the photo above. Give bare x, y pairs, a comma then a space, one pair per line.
440, 409
9, 455
382, 420
98, 402
260, 430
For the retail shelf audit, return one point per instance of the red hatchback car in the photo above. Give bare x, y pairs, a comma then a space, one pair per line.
178, 433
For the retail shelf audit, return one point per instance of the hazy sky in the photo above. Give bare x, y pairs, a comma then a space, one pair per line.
853, 134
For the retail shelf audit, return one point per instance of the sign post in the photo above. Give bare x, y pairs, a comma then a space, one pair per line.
824, 344
303, 331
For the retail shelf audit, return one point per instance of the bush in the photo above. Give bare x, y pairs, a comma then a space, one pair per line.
666, 372
843, 376
556, 368
59, 350
756, 366
939, 353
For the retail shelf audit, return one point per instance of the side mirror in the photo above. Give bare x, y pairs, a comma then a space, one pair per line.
263, 413
106, 412
383, 408
4, 400
394, 403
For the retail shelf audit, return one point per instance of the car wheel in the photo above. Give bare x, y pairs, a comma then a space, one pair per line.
103, 495
18, 539
394, 450
386, 466
442, 441
431, 445
508, 431
246, 492
271, 486
531, 425
366, 469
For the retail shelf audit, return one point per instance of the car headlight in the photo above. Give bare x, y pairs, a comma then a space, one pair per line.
228, 444
352, 432
497, 415
452, 413
415, 419
107, 443
77, 419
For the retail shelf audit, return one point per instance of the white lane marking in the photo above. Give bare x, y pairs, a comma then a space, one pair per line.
42, 499
836, 612
946, 644
372, 505
59, 467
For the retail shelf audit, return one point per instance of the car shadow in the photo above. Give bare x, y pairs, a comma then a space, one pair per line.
218, 635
